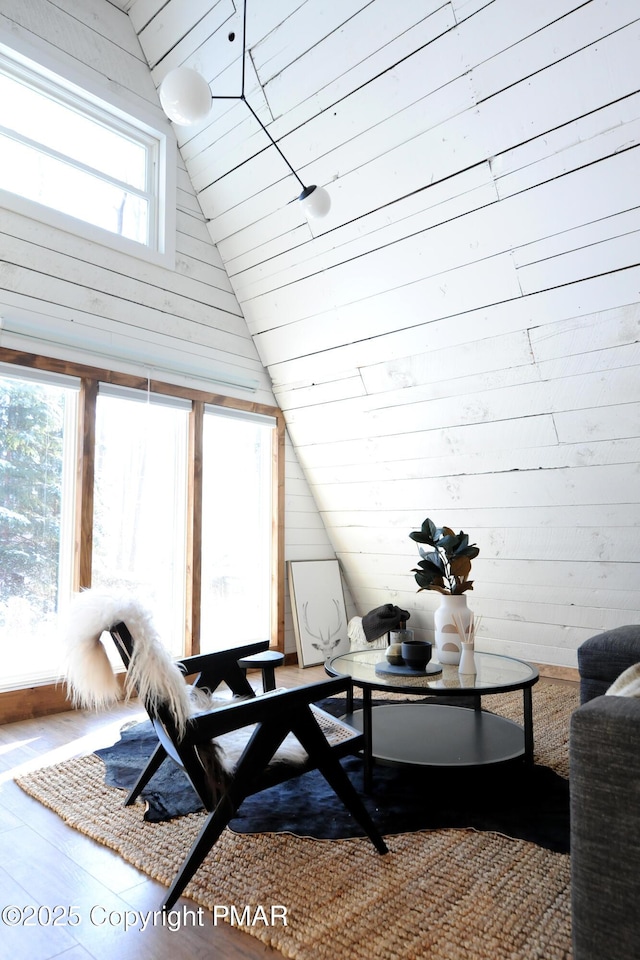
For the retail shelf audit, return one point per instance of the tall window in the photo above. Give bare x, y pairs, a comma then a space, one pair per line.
37, 470
140, 497
236, 528
68, 153
127, 517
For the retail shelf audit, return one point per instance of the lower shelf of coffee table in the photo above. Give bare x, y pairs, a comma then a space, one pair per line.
441, 735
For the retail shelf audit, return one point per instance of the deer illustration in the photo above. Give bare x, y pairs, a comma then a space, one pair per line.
327, 639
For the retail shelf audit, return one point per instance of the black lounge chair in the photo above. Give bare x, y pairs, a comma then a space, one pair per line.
265, 722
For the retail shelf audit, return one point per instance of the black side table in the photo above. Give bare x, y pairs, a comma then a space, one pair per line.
267, 661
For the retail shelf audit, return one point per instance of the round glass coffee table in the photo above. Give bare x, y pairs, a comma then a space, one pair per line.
438, 734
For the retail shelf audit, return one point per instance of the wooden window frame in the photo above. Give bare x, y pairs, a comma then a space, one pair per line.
41, 699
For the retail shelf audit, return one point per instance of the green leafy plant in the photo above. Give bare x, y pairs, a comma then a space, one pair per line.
447, 567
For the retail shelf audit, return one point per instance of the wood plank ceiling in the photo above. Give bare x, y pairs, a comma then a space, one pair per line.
459, 337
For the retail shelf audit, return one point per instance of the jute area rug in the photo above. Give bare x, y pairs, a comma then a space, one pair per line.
443, 894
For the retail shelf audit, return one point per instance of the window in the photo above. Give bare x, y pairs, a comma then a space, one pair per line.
70, 155
236, 528
140, 503
37, 471
173, 501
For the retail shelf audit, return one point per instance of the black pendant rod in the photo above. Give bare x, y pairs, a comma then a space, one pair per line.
244, 99
273, 141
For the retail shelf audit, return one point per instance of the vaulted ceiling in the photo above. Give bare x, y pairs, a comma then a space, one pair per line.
458, 338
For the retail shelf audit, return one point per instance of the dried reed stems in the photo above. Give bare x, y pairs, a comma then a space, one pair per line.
467, 636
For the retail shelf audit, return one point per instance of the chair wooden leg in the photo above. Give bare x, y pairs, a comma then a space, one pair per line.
213, 827
261, 747
313, 740
236, 680
153, 764
336, 777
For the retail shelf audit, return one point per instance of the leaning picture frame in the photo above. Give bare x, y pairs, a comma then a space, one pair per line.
318, 610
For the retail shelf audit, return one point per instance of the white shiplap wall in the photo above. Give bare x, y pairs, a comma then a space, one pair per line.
77, 300
459, 338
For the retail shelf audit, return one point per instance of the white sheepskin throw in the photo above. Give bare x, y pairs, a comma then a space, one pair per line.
627, 684
356, 635
358, 638
152, 674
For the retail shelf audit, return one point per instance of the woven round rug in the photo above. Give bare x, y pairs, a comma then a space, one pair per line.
452, 894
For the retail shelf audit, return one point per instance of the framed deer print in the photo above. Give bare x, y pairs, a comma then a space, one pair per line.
318, 608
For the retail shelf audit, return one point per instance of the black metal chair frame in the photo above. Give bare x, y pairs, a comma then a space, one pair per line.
275, 715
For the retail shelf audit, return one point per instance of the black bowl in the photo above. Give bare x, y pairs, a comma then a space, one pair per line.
416, 653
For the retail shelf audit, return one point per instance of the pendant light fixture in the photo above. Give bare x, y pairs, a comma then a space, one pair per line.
186, 98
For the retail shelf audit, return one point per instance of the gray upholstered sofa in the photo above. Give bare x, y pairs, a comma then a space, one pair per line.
605, 803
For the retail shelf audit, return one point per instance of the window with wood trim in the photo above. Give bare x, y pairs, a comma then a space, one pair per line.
140, 502
37, 473
171, 494
236, 525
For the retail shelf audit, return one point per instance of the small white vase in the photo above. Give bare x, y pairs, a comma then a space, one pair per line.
448, 643
467, 660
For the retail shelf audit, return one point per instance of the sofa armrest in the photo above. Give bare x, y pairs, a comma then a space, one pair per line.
605, 828
601, 659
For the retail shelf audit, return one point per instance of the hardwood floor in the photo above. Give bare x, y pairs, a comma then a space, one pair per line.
46, 864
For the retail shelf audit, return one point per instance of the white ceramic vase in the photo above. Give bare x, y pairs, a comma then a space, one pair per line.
467, 660
448, 643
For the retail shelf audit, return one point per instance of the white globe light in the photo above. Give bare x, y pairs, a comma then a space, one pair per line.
315, 201
185, 96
